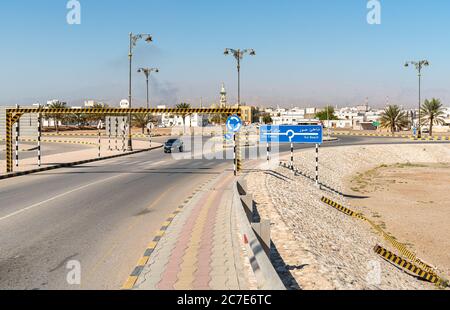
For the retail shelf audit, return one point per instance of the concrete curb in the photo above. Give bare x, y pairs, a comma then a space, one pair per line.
72, 164
266, 276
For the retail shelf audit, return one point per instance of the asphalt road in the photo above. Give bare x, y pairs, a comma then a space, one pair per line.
101, 215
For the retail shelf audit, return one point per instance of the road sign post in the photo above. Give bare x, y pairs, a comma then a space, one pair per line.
117, 134
99, 127
39, 138
317, 164
124, 127
17, 144
292, 156
234, 125
149, 132
17, 141
234, 155
109, 125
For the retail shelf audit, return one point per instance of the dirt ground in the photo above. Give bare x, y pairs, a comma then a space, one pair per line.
412, 202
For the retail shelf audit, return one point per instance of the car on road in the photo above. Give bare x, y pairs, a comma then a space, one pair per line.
173, 145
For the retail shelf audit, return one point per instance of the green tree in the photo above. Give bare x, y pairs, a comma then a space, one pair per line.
267, 119
394, 118
55, 116
95, 118
219, 118
141, 121
326, 114
433, 113
78, 119
183, 106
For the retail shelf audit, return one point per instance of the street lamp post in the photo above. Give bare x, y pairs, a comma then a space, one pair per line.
147, 72
239, 55
134, 38
419, 65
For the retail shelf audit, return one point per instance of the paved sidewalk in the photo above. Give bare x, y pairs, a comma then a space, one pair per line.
201, 249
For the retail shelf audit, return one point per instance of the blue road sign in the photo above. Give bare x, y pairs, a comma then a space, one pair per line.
234, 123
228, 136
292, 134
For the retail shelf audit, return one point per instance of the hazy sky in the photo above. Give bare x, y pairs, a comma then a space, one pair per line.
309, 52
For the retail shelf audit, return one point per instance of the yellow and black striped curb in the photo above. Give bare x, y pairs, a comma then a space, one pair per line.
406, 265
57, 141
437, 138
397, 245
134, 276
370, 135
65, 165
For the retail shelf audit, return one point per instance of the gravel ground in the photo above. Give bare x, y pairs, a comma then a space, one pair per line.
318, 247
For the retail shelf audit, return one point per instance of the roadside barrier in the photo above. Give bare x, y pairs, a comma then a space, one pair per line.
404, 264
397, 245
256, 237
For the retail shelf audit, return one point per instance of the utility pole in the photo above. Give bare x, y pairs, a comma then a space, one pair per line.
133, 41
419, 65
239, 55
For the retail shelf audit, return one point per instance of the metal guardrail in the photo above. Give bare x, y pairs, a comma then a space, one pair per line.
257, 237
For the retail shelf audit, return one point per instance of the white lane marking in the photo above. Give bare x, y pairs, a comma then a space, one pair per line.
56, 197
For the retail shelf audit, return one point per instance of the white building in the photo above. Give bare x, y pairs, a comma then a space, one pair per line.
92, 103
361, 117
170, 120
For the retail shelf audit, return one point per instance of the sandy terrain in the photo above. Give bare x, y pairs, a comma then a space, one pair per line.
318, 247
413, 202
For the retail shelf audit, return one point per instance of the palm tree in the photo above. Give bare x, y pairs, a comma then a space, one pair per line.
394, 118
183, 106
433, 113
141, 121
95, 118
56, 117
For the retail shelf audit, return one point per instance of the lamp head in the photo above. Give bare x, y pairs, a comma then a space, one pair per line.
226, 52
149, 39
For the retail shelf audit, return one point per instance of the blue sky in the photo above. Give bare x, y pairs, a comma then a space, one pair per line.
309, 52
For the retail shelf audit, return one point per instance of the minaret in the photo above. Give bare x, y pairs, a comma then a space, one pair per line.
223, 97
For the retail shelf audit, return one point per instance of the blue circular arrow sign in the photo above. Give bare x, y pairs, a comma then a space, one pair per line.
234, 123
